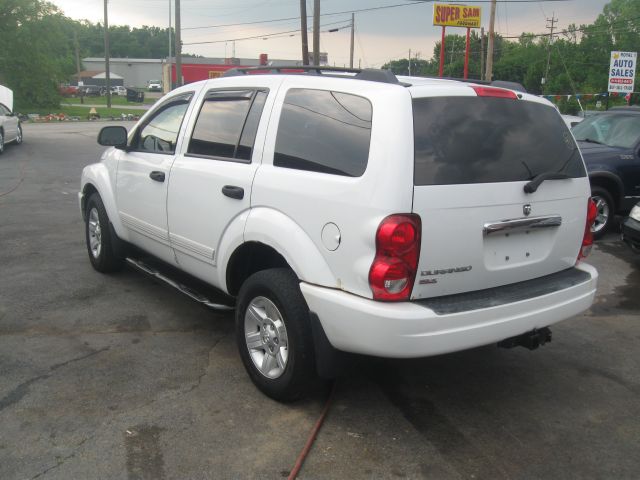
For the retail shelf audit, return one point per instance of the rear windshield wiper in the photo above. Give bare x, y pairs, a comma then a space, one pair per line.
533, 185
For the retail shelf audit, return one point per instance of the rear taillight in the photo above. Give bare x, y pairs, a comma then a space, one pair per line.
494, 92
394, 267
587, 239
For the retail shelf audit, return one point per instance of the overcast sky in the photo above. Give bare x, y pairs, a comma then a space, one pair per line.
381, 35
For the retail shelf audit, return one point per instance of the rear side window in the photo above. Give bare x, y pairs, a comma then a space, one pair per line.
484, 140
227, 124
324, 131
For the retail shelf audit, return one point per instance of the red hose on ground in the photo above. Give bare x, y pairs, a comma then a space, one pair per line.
312, 435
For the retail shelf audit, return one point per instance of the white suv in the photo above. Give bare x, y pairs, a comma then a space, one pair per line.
347, 211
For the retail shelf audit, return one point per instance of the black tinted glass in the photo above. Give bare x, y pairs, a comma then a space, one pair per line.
220, 123
485, 140
324, 131
245, 147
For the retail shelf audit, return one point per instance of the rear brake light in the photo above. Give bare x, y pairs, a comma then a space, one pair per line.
394, 267
587, 239
494, 92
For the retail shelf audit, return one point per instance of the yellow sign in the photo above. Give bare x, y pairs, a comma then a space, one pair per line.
214, 74
456, 15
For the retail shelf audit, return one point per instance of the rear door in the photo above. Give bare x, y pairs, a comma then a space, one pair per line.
473, 156
211, 182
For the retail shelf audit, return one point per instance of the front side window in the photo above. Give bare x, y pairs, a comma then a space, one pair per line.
610, 129
159, 134
324, 131
227, 124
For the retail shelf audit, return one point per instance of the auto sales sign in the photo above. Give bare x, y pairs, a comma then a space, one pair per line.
622, 71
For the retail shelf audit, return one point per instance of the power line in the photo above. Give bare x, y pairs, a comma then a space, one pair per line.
289, 33
584, 29
309, 16
369, 9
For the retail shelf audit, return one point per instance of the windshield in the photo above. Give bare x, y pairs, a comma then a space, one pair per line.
610, 129
484, 140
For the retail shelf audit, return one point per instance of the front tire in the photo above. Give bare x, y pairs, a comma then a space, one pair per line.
1, 142
99, 237
605, 211
18, 139
273, 333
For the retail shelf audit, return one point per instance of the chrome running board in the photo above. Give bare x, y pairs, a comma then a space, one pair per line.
189, 292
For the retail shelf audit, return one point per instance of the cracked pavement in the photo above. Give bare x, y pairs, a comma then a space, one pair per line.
115, 376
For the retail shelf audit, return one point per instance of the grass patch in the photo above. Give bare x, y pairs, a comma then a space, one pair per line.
83, 112
115, 100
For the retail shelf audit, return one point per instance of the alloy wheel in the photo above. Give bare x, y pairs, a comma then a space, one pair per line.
95, 233
266, 337
603, 212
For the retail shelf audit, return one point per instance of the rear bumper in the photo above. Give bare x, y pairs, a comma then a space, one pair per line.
410, 329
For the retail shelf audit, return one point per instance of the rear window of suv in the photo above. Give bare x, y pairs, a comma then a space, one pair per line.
462, 140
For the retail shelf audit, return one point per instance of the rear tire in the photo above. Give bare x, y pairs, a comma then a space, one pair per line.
100, 238
606, 211
273, 333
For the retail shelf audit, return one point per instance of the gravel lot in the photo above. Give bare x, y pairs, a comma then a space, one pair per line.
120, 377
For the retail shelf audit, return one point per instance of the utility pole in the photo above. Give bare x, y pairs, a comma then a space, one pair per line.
551, 23
482, 53
353, 20
169, 61
75, 43
492, 25
409, 62
316, 32
178, 47
303, 32
107, 74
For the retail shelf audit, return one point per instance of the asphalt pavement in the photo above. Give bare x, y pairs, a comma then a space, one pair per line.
115, 376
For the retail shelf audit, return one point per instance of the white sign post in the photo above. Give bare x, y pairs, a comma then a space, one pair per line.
622, 72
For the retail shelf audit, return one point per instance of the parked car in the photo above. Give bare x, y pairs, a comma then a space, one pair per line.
10, 128
154, 86
67, 90
631, 229
89, 91
610, 145
119, 90
394, 217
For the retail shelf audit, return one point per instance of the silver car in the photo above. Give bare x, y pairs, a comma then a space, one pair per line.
10, 128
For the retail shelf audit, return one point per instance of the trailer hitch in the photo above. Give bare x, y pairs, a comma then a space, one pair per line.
531, 340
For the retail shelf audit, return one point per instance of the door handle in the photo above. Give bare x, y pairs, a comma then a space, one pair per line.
232, 191
157, 176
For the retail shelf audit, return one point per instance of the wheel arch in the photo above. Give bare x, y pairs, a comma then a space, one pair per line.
272, 240
611, 183
96, 179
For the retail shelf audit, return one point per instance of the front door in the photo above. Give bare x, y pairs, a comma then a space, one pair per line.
143, 177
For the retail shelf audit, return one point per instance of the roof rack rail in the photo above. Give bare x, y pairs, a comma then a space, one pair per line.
369, 74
